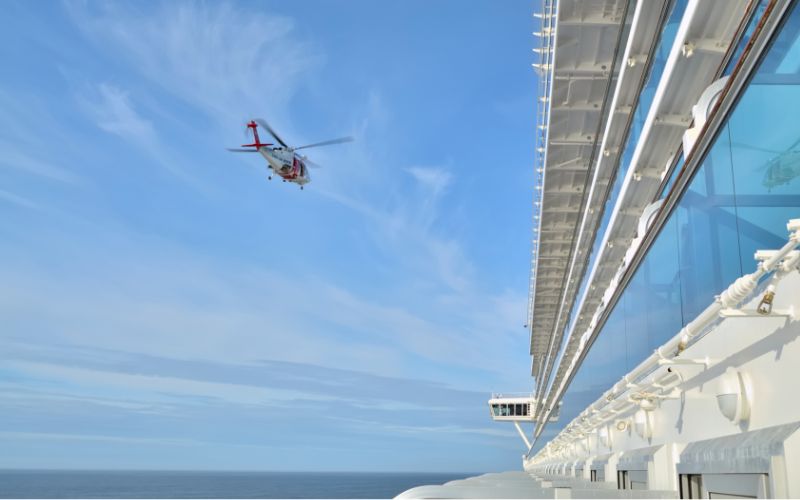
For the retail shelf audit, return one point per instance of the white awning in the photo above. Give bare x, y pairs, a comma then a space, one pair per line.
600, 461
637, 459
748, 452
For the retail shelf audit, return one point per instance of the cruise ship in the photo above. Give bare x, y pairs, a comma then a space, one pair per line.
664, 291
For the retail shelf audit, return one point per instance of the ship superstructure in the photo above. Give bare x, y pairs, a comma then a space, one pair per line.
665, 271
664, 310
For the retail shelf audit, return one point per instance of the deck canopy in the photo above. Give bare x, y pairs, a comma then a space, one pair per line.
583, 38
686, 75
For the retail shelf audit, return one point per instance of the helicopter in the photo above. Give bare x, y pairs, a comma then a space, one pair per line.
782, 168
283, 160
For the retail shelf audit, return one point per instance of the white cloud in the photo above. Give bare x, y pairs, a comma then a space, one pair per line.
435, 179
229, 61
152, 384
18, 200
55, 436
115, 114
113, 110
14, 156
429, 429
451, 429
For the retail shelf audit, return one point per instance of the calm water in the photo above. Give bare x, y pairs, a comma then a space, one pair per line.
141, 484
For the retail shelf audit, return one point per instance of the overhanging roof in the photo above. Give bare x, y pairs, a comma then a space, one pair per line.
585, 41
684, 79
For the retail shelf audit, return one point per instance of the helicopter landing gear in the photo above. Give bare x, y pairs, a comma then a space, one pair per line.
270, 177
301, 188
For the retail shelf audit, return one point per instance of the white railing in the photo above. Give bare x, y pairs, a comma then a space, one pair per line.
779, 262
545, 69
509, 395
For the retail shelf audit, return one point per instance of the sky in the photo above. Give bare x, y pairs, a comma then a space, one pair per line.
164, 306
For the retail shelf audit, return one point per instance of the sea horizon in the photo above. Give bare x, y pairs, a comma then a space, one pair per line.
67, 469
132, 483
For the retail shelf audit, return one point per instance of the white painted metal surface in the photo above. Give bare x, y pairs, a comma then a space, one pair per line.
644, 25
582, 52
684, 80
712, 400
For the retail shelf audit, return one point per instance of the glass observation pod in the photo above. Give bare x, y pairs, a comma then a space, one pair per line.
512, 407
516, 408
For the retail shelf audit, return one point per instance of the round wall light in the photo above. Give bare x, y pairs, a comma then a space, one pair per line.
732, 399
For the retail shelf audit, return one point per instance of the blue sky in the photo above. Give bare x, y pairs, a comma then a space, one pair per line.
164, 306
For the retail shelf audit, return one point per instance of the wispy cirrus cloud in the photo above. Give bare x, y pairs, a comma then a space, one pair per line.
114, 113
229, 63
18, 200
56, 436
276, 316
435, 179
221, 59
14, 156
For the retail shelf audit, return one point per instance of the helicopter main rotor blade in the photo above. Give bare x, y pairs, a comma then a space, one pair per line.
310, 163
756, 148
269, 129
326, 143
239, 150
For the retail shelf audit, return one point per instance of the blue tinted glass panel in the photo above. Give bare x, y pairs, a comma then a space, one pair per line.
738, 201
748, 32
661, 53
708, 242
603, 366
766, 160
676, 171
653, 304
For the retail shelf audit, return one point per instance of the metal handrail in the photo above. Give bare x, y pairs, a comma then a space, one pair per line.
545, 66
508, 395
780, 262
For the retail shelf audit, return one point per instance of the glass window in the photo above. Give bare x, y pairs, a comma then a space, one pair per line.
676, 171
738, 201
708, 242
661, 53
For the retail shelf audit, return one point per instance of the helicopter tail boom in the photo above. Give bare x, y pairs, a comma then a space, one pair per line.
256, 141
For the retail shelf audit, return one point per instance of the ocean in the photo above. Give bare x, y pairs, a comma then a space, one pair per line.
204, 484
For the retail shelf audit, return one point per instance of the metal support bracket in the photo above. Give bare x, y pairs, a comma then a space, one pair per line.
673, 394
752, 313
706, 362
522, 435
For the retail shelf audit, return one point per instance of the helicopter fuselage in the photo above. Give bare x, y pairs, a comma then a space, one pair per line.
283, 160
287, 164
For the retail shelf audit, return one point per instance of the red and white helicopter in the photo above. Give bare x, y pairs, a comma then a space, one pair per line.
283, 160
